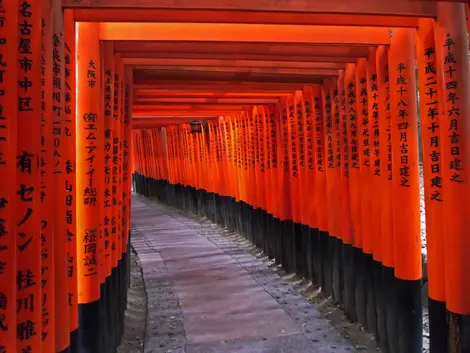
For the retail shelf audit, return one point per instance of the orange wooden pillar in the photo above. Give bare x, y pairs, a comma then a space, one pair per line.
301, 233
336, 196
90, 156
452, 62
273, 161
328, 132
48, 195
376, 71
8, 197
310, 218
69, 131
431, 108
121, 205
363, 239
225, 201
126, 178
265, 157
294, 148
294, 234
265, 169
107, 277
258, 193
250, 176
319, 208
353, 111
354, 258
117, 163
116, 250
235, 149
28, 187
370, 171
285, 170
59, 151
385, 192
108, 72
347, 109
256, 181
406, 203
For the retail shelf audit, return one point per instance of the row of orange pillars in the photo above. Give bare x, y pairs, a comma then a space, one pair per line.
327, 183
327, 207
64, 185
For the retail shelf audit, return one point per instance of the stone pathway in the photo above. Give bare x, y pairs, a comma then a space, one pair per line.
206, 294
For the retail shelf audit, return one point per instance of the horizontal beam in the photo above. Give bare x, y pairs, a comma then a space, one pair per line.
371, 7
266, 57
169, 107
184, 113
286, 51
216, 100
247, 17
148, 93
220, 32
149, 120
162, 71
205, 63
216, 87
149, 76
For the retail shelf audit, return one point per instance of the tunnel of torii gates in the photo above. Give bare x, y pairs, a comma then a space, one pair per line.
309, 147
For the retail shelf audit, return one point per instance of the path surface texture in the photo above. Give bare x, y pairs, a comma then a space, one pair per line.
205, 294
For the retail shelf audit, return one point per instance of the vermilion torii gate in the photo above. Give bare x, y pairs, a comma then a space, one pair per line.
311, 141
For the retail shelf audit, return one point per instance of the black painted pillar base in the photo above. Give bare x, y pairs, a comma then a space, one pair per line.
337, 268
438, 329
325, 244
278, 227
270, 236
288, 257
381, 335
298, 256
90, 330
248, 219
371, 324
232, 214
74, 341
240, 218
106, 341
409, 315
459, 332
360, 286
264, 231
118, 300
349, 283
317, 275
255, 224
390, 308
307, 252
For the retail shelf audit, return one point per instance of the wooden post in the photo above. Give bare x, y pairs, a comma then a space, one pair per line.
28, 187
406, 212
90, 131
452, 61
8, 197
387, 225
349, 167
48, 194
328, 129
431, 107
59, 151
69, 126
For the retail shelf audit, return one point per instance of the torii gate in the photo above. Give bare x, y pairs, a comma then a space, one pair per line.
146, 64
